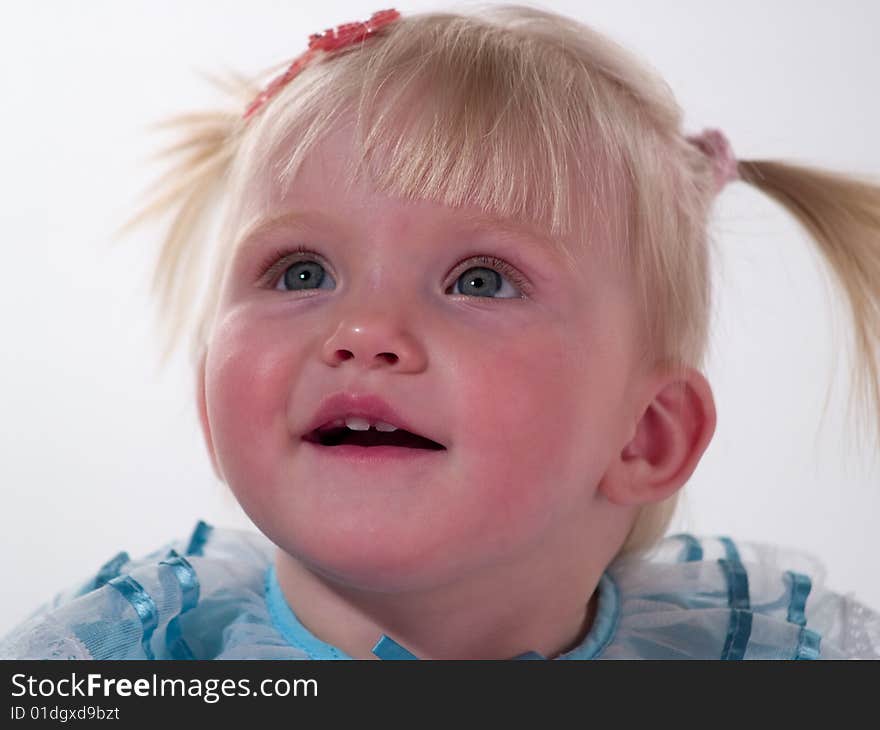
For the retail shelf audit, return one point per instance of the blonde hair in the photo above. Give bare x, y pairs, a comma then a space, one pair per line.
537, 118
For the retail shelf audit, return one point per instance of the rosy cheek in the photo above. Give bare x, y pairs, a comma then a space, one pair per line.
247, 381
517, 407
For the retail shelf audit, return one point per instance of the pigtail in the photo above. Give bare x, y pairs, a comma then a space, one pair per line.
843, 215
197, 165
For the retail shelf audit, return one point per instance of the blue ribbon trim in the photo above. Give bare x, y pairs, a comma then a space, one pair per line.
730, 551
693, 551
737, 584
289, 626
189, 590
199, 538
739, 629
110, 569
737, 578
808, 640
800, 589
143, 604
605, 623
387, 648
738, 633
808, 644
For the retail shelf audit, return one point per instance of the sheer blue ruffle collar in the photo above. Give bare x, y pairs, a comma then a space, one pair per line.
215, 596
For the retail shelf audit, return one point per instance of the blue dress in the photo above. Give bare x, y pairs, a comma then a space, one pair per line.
215, 596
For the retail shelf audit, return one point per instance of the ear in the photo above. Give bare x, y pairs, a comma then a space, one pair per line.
203, 415
670, 437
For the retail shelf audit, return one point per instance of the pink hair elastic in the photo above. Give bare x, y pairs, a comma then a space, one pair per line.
716, 146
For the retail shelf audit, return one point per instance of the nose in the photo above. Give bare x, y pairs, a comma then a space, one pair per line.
372, 342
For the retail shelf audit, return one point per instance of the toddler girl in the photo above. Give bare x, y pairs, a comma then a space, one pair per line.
451, 367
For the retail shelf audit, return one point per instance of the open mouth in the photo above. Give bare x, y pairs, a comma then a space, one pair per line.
342, 435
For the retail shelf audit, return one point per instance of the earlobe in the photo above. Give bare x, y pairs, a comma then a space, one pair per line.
669, 441
202, 404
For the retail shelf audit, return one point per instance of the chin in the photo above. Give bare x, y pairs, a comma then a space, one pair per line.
387, 565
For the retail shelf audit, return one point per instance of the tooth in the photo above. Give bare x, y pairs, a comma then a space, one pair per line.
355, 423
382, 426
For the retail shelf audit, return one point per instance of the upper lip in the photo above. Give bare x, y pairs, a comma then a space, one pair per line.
366, 405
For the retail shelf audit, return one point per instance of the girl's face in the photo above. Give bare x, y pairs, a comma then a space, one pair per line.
478, 336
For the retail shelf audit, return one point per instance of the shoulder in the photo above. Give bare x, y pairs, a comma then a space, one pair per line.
180, 601
716, 598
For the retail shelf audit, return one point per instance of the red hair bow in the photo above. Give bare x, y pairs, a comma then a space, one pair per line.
330, 40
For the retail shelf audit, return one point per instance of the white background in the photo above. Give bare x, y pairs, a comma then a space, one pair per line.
100, 451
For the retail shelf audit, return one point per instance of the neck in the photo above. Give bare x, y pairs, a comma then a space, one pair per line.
530, 604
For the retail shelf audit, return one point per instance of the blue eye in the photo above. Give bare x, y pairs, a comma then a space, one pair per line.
481, 281
303, 275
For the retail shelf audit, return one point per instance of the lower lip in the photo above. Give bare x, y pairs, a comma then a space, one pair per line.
375, 454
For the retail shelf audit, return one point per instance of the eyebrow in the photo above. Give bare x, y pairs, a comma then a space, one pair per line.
484, 222
479, 222
265, 226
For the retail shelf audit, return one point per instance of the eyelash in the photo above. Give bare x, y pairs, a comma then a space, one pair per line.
277, 262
